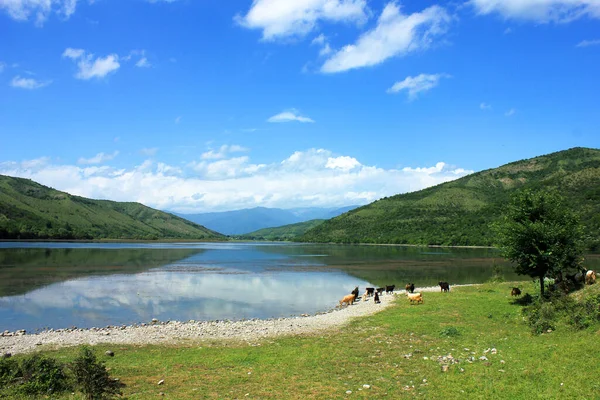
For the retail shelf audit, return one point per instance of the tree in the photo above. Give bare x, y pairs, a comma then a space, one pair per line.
541, 235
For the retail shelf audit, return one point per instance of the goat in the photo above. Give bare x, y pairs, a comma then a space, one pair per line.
444, 286
348, 299
390, 289
410, 287
376, 300
355, 292
379, 290
515, 291
370, 291
590, 277
415, 297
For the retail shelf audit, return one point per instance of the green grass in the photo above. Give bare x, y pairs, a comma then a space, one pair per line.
375, 351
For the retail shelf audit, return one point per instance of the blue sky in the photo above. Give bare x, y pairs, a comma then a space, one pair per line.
209, 105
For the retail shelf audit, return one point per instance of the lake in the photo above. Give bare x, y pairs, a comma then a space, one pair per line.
60, 285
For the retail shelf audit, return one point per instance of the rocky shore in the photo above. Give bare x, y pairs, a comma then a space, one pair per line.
174, 332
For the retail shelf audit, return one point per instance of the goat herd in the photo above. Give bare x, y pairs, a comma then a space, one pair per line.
414, 298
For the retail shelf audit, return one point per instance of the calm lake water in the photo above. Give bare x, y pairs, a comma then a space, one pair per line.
59, 285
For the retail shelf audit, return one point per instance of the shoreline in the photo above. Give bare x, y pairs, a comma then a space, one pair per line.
177, 332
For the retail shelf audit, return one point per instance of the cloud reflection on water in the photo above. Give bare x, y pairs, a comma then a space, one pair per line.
175, 295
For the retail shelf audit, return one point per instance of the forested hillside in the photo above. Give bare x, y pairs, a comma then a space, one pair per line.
29, 210
460, 212
286, 232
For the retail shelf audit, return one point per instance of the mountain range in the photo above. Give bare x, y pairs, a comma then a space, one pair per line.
240, 222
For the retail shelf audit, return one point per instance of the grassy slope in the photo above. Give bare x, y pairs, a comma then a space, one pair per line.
285, 232
459, 212
372, 351
31, 210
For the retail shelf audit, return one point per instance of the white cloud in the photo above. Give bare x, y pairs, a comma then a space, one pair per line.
396, 34
178, 119
222, 152
344, 163
542, 11
485, 106
98, 158
88, 67
510, 112
2, 66
417, 84
315, 177
508, 31
28, 83
143, 63
586, 43
289, 116
323, 43
280, 19
21, 10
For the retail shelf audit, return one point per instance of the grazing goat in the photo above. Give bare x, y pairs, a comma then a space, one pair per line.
590, 277
410, 287
515, 291
380, 290
415, 297
370, 291
348, 299
444, 286
390, 289
377, 301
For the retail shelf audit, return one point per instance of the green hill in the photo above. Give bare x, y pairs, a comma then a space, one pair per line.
460, 212
29, 210
285, 232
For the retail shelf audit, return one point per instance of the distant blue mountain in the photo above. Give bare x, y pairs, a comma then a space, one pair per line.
248, 220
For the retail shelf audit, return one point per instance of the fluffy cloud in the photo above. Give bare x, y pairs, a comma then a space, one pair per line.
417, 84
315, 177
280, 19
28, 83
539, 10
90, 67
395, 34
289, 116
21, 10
98, 158
510, 112
485, 106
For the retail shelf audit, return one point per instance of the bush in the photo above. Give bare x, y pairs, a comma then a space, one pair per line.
91, 376
42, 375
450, 331
546, 314
9, 370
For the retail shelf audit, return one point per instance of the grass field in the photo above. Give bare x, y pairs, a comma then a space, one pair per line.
398, 353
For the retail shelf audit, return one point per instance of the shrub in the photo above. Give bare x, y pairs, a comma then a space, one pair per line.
91, 376
450, 331
41, 375
9, 370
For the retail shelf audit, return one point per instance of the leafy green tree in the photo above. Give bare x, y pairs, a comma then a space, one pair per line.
541, 235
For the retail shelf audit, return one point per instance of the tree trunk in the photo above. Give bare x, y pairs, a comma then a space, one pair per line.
542, 286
